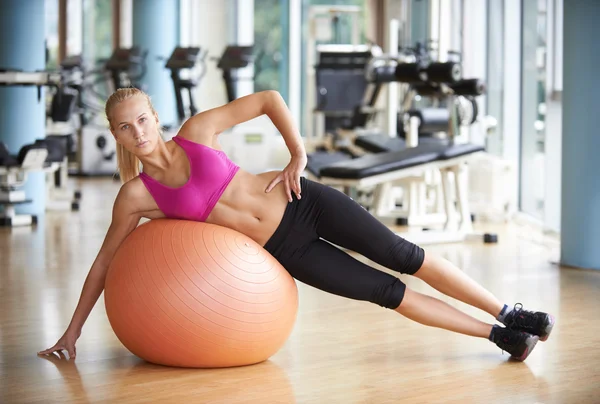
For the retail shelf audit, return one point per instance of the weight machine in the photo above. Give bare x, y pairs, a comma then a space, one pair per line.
59, 197
415, 171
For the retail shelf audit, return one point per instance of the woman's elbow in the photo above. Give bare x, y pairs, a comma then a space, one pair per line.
271, 100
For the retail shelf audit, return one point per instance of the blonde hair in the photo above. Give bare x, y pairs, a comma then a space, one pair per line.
127, 162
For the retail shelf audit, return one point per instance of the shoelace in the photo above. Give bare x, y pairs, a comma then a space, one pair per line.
522, 318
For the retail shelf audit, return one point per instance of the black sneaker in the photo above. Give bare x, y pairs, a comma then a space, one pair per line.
536, 323
518, 344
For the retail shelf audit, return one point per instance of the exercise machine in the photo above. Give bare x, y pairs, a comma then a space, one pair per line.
13, 175
182, 62
127, 66
234, 57
55, 145
342, 100
97, 154
61, 136
412, 164
330, 27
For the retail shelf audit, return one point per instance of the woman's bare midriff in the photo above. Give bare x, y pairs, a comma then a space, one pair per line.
247, 208
244, 206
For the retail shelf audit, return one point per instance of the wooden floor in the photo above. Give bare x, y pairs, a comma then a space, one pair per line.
340, 351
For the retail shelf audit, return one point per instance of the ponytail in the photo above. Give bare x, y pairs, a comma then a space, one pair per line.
127, 162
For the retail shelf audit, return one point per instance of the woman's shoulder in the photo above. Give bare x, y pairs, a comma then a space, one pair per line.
132, 195
135, 199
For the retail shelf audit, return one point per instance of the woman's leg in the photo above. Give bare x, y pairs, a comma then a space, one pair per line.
448, 279
430, 311
298, 247
330, 269
344, 222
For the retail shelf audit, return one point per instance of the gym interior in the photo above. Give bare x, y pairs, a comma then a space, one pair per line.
466, 126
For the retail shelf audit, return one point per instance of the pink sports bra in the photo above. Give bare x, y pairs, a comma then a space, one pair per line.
210, 173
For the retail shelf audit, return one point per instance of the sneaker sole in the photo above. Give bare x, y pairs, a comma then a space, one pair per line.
530, 345
548, 328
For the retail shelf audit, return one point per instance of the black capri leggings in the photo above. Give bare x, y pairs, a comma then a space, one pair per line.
324, 216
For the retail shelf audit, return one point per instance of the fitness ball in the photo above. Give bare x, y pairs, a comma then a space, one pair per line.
191, 294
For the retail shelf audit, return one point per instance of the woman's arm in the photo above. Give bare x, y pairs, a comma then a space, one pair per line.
124, 220
202, 127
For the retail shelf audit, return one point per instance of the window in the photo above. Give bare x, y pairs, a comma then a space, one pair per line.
533, 107
271, 33
495, 73
51, 22
97, 30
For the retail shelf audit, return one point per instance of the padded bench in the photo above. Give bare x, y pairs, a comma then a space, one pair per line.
407, 167
381, 163
319, 159
382, 143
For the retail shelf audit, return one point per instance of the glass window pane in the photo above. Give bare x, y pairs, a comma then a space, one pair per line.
271, 37
533, 108
74, 27
51, 22
97, 29
495, 82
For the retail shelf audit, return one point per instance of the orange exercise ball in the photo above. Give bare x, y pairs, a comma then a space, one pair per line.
191, 294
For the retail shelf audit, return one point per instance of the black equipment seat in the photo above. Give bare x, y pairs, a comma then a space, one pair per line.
322, 158
459, 150
381, 143
381, 163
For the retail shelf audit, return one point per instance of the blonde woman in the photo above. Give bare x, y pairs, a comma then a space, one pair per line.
294, 219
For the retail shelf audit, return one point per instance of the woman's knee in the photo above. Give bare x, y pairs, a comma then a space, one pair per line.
389, 295
407, 257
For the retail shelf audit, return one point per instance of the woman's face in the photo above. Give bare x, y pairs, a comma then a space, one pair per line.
135, 126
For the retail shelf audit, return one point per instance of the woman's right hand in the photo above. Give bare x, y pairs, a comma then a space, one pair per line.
66, 343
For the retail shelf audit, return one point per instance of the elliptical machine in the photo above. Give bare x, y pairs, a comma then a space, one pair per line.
181, 62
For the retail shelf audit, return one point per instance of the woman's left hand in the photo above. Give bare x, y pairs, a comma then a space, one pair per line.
291, 176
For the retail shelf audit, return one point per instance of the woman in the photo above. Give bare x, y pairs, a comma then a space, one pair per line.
295, 219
